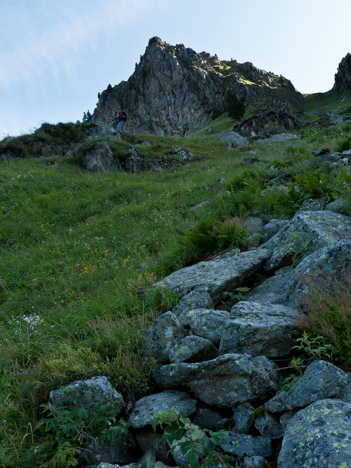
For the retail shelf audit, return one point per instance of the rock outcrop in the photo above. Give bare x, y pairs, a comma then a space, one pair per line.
343, 75
176, 91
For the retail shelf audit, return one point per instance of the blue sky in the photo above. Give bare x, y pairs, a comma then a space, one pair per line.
56, 55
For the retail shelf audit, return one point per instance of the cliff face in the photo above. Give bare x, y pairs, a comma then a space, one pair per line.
343, 75
176, 91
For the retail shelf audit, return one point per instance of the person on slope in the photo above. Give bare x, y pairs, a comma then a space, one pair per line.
122, 118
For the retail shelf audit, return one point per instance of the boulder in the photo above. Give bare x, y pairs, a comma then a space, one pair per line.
163, 334
307, 232
244, 444
277, 404
206, 323
234, 139
318, 436
193, 300
271, 228
99, 158
224, 273
147, 408
243, 418
150, 441
269, 426
89, 394
193, 349
275, 289
334, 261
255, 462
345, 394
321, 380
209, 419
260, 329
225, 381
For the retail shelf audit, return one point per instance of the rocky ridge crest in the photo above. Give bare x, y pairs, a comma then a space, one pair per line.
175, 91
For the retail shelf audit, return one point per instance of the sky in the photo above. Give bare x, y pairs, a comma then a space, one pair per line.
56, 55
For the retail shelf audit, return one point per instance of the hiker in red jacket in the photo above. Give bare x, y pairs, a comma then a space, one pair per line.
122, 118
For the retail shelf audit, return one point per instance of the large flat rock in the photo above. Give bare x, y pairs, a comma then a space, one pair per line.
224, 381
224, 273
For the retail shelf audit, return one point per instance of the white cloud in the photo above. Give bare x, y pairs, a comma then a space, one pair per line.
56, 33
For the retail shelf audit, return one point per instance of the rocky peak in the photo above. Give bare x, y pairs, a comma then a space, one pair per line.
175, 90
343, 75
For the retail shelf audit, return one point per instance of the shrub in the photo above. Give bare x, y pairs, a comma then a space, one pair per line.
235, 108
316, 184
329, 313
343, 144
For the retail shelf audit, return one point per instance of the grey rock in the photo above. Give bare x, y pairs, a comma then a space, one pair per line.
147, 408
285, 418
275, 289
148, 460
206, 323
268, 426
243, 418
313, 204
255, 462
224, 273
271, 228
244, 444
345, 394
334, 261
224, 381
321, 380
193, 300
234, 138
279, 137
339, 206
307, 232
89, 394
277, 404
100, 158
114, 451
260, 329
193, 349
148, 440
109, 465
209, 419
163, 334
317, 436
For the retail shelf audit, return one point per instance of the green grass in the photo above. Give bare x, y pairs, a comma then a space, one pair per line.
79, 250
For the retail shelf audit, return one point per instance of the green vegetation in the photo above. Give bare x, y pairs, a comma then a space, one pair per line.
80, 250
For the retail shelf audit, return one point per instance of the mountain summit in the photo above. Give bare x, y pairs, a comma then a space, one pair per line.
177, 91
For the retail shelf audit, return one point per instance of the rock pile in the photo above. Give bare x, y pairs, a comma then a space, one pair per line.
221, 368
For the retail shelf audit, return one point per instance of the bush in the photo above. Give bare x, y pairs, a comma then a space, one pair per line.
235, 108
329, 313
343, 144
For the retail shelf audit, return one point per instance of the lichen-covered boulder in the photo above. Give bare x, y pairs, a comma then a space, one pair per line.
146, 409
193, 349
275, 289
207, 323
318, 436
269, 426
161, 335
334, 261
321, 380
307, 231
224, 273
345, 394
89, 394
243, 418
225, 381
260, 329
271, 228
193, 300
244, 444
255, 462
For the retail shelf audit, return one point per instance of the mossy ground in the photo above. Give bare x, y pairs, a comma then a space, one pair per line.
79, 249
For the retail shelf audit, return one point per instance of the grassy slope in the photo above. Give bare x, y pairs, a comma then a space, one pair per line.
79, 249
